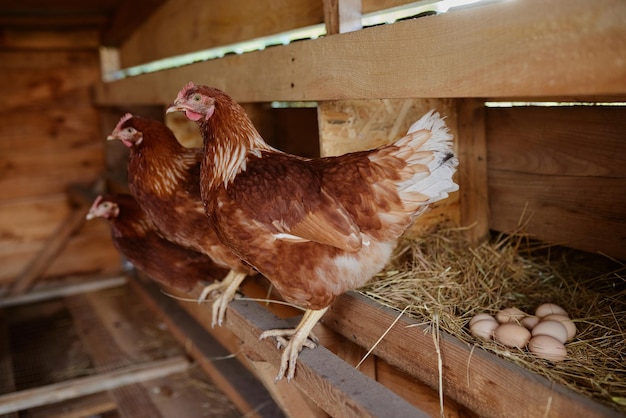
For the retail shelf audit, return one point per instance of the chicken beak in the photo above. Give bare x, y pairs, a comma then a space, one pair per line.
111, 138
175, 107
90, 216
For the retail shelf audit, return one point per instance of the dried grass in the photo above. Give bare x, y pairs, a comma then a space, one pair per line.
441, 276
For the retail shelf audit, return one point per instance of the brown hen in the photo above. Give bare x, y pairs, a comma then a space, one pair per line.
314, 227
138, 239
164, 177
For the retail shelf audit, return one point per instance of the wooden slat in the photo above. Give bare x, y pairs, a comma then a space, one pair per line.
244, 390
127, 17
7, 378
51, 248
486, 384
60, 291
56, 392
332, 384
86, 406
526, 48
472, 170
51, 39
560, 174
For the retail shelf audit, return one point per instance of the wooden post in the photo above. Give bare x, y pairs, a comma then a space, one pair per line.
342, 16
472, 177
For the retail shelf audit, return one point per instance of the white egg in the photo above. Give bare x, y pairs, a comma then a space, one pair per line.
480, 317
547, 348
552, 328
512, 335
529, 322
484, 329
566, 322
549, 309
510, 315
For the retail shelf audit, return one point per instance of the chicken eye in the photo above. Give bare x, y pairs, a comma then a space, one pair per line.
197, 97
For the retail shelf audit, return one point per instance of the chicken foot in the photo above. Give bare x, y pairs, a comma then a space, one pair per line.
227, 289
299, 337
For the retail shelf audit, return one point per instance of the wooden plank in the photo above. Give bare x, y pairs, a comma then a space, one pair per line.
51, 248
486, 384
30, 174
60, 291
125, 20
56, 392
332, 384
205, 25
85, 406
355, 125
229, 374
50, 39
559, 174
341, 16
116, 331
526, 48
472, 170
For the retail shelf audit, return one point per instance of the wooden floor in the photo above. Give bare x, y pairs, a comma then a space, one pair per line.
85, 343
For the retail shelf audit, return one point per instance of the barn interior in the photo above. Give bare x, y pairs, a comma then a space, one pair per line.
534, 96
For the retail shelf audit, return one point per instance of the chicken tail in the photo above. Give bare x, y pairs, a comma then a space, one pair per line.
428, 151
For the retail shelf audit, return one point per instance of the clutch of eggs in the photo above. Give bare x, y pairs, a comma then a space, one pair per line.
544, 333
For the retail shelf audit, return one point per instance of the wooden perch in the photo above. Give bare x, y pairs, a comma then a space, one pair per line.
337, 387
75, 388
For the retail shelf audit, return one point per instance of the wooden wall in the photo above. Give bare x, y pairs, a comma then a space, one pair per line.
49, 138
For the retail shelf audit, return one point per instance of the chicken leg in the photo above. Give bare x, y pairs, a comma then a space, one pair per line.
299, 338
227, 288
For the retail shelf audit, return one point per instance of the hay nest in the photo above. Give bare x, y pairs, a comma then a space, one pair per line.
442, 274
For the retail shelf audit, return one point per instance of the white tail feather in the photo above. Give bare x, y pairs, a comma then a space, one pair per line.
431, 143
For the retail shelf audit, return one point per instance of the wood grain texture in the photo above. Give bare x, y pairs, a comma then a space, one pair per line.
560, 175
244, 390
331, 383
486, 384
526, 49
472, 171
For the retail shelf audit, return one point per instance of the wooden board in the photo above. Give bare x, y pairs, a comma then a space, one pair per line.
486, 384
238, 384
501, 49
472, 170
560, 174
201, 25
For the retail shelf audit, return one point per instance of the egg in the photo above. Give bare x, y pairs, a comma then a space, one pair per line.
529, 322
549, 309
510, 315
480, 317
547, 348
484, 328
566, 322
554, 329
512, 335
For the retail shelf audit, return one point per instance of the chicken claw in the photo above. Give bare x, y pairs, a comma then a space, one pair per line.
226, 289
301, 337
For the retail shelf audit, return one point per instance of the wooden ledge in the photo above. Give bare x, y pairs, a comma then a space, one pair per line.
485, 383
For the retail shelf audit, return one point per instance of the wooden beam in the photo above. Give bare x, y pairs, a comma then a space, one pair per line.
244, 390
51, 248
485, 383
331, 383
526, 48
74, 388
66, 290
472, 171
